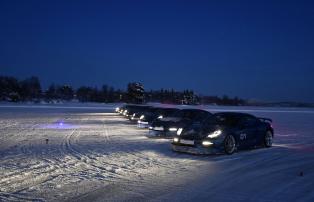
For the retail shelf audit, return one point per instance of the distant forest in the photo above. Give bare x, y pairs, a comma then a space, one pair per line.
29, 89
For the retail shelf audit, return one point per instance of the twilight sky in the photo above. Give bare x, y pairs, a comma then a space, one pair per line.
252, 49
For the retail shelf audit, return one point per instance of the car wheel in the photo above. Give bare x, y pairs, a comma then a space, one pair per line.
230, 144
268, 139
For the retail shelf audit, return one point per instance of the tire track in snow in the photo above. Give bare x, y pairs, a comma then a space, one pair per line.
30, 176
82, 159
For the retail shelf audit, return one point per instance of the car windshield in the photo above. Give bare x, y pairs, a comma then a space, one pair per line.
167, 111
187, 113
201, 116
228, 119
179, 114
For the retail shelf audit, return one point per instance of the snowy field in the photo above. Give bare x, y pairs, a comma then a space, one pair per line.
93, 154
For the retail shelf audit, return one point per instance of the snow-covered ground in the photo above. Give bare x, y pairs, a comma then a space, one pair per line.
93, 154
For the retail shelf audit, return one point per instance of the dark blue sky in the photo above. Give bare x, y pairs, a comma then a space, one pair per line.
253, 49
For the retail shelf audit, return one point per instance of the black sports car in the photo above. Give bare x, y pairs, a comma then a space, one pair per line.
224, 133
130, 109
120, 109
155, 113
136, 109
167, 127
136, 114
123, 109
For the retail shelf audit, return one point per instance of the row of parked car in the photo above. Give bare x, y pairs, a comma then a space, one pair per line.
199, 131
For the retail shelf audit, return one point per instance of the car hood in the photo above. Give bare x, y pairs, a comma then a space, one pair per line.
172, 119
168, 122
149, 117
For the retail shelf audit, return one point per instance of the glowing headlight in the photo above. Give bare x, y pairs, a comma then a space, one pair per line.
215, 134
173, 129
150, 127
133, 115
179, 131
160, 128
117, 109
160, 117
175, 139
142, 117
206, 143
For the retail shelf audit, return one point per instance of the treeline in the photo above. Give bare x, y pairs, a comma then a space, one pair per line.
30, 89
11, 89
172, 97
224, 100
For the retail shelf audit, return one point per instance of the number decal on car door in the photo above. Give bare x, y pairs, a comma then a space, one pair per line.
242, 136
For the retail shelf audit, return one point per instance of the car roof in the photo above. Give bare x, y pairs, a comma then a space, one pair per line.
136, 106
201, 110
233, 114
168, 109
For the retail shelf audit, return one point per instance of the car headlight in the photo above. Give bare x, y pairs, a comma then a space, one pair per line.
160, 117
142, 117
179, 131
206, 143
133, 115
173, 129
215, 134
117, 109
161, 128
175, 139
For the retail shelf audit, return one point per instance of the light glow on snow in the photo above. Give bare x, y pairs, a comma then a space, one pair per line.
87, 151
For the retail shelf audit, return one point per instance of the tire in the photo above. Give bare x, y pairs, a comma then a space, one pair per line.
268, 139
229, 144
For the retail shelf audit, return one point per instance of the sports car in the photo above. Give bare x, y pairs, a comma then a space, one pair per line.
120, 109
155, 113
123, 109
167, 127
136, 109
224, 132
130, 109
135, 115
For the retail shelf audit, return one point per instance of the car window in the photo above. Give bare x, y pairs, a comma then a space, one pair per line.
209, 121
248, 120
191, 114
188, 114
229, 120
167, 112
200, 116
180, 113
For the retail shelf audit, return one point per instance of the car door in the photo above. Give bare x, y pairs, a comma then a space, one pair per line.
247, 131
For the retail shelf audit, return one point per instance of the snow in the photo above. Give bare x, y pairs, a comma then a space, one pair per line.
94, 154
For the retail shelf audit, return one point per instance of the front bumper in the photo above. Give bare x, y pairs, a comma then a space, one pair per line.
133, 119
161, 133
142, 124
196, 149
